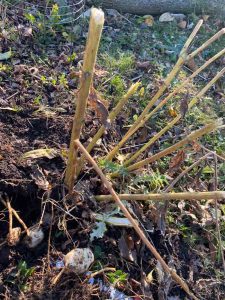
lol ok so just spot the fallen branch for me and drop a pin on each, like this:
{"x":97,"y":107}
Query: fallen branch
{"x":94,"y":35}
{"x":166,"y":196}
{"x":138,"y":230}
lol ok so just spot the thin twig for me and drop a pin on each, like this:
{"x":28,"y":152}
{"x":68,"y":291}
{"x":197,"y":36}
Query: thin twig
{"x":106,"y":269}
{"x":212,"y":152}
{"x":138,"y":230}
{"x":49,"y":239}
{"x":193,"y":102}
{"x":163,"y":208}
{"x":58,"y":276}
{"x":17,"y":217}
{"x":161,"y":90}
{"x":195,"y":164}
{"x":10,"y":218}
{"x":216,"y":213}
{"x":11,"y":96}
{"x":189,"y":138}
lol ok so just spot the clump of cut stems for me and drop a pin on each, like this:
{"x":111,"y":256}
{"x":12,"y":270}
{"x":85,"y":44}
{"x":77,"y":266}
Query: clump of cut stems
{"x":184,"y":57}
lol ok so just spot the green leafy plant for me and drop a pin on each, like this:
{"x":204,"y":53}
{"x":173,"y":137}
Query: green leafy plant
{"x":62,"y":80}
{"x":121,"y":62}
{"x":117,"y":85}
{"x":155,"y":180}
{"x":112,"y":167}
{"x":21,"y":275}
{"x":117,"y":277}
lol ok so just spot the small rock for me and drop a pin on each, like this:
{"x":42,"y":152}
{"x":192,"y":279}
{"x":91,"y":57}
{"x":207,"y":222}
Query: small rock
{"x":166,"y":17}
{"x":79,"y":260}
{"x":179,"y":17}
{"x":182,"y":24}
{"x":35,"y":237}
{"x":14,"y":238}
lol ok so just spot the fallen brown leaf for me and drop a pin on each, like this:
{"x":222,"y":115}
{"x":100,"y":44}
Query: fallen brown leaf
{"x":176,"y":162}
{"x":98,"y":104}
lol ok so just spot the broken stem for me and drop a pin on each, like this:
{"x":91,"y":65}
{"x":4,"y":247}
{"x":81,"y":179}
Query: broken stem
{"x":165,"y":100}
{"x":189,"y":138}
{"x":195,"y":164}
{"x":166,"y":196}
{"x":138,"y":230}
{"x":161,"y":90}
{"x":10,"y":218}
{"x":206,"y":44}
{"x":175,"y":120}
{"x":220,"y":242}
{"x":112,"y":115}
{"x":94,"y":35}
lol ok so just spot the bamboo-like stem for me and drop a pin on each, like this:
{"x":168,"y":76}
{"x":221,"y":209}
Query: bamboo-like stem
{"x":195,"y":164}
{"x":138,"y":230}
{"x":112,"y":115}
{"x":189,"y":138}
{"x":93,"y":39}
{"x":218,"y":228}
{"x":166,"y":196}
{"x":165,"y":100}
{"x":164,"y":86}
{"x":17,"y":217}
{"x":206,"y":44}
{"x":175,"y":120}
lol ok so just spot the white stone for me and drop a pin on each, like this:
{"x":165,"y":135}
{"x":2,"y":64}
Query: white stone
{"x":79,"y":260}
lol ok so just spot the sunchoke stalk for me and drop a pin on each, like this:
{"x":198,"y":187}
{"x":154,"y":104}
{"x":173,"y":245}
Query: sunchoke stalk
{"x":93,"y":39}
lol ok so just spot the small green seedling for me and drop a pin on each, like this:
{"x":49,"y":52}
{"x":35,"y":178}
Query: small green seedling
{"x":20,"y":277}
{"x":117,"y":277}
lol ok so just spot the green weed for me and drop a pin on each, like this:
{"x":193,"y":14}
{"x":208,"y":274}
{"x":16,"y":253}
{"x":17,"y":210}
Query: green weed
{"x":153,"y":181}
{"x":122,"y":63}
{"x":117,"y":277}
{"x":112,"y":167}
{"x":20,"y":277}
{"x":117,"y":85}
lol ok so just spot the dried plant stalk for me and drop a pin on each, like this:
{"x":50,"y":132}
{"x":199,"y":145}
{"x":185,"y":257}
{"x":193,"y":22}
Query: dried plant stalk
{"x":113,"y":114}
{"x":164,"y":86}
{"x":166,"y":196}
{"x":14,"y":212}
{"x":10,"y":218}
{"x":138,"y":230}
{"x":94,"y":35}
{"x":175,"y":120}
{"x":191,"y":137}
{"x":206,"y":44}
{"x":183,"y":84}
{"x":184,"y":57}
